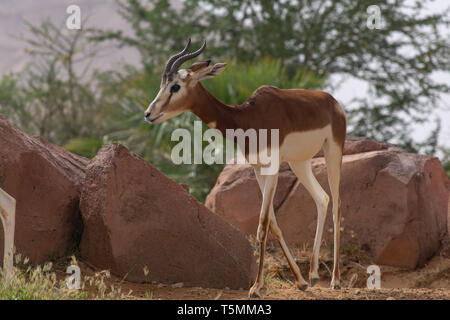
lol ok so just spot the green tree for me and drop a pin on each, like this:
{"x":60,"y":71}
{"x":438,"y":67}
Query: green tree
{"x":325,"y":37}
{"x":48,"y":98}
{"x":446,"y":159}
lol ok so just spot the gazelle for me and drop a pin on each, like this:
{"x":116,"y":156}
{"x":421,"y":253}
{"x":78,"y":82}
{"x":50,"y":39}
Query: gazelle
{"x":307,"y":121}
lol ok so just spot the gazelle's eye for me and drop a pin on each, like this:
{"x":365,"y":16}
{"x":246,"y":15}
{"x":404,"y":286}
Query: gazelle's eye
{"x":175,"y":88}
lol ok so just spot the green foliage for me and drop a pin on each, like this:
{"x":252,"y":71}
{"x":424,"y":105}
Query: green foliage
{"x":86,"y":147}
{"x":325,"y":37}
{"x":447,"y":168}
{"x":47,"y":97}
{"x":446,"y":160}
{"x":240,"y":79}
{"x":158,"y":29}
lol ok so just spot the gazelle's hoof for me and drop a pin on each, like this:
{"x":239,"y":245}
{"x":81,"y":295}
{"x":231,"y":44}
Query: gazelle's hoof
{"x":254,"y":295}
{"x":313,"y":281}
{"x":336,"y":287}
{"x":254,"y":292}
{"x":303,"y":287}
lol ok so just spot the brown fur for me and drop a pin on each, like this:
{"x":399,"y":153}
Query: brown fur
{"x":272,"y":108}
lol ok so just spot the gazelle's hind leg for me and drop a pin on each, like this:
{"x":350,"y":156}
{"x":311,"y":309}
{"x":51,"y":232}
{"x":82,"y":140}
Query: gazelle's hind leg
{"x":270,"y":185}
{"x":333,"y":158}
{"x":276,"y":231}
{"x":304,"y":173}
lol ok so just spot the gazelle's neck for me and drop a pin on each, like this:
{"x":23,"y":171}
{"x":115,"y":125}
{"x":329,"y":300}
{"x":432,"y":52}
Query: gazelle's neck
{"x":212,"y":111}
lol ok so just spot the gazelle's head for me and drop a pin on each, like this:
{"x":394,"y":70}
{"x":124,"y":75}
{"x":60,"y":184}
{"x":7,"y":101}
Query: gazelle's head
{"x":177,"y":86}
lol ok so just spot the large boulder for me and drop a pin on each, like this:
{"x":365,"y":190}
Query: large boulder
{"x":135,"y":217}
{"x":354,"y":145}
{"x":46,"y":182}
{"x":394,"y":203}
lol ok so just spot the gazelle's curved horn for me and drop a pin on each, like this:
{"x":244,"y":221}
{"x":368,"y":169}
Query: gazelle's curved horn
{"x":186,"y":57}
{"x":176,"y":56}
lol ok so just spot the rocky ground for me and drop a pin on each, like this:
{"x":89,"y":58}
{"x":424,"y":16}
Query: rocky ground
{"x":430,"y":282}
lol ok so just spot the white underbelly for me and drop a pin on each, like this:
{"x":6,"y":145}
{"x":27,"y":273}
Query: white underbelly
{"x":297,"y":146}
{"x":300,"y":146}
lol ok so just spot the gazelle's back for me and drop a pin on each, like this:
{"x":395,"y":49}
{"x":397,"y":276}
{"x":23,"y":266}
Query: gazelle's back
{"x":297,"y":110}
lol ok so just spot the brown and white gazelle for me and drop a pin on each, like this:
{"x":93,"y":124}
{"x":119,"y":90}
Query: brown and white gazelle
{"x":307,"y":121}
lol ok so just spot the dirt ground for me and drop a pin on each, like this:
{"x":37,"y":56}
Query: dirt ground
{"x":429,"y":282}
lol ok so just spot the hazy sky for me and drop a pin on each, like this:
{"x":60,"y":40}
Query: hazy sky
{"x":13,"y":13}
{"x":103,"y":14}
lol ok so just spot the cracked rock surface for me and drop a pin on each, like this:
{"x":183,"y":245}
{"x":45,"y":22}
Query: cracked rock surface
{"x":46,"y":182}
{"x":135,"y":217}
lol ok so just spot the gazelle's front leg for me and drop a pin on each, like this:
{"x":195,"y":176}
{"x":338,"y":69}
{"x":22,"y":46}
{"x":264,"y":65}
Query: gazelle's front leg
{"x":8,"y":219}
{"x":270,"y":185}
{"x":276,"y":231}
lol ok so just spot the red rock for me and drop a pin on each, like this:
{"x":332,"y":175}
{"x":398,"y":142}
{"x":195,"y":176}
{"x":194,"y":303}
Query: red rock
{"x":354,"y":145}
{"x":134,"y":216}
{"x":185,"y":186}
{"x":394,"y":203}
{"x":46,"y":182}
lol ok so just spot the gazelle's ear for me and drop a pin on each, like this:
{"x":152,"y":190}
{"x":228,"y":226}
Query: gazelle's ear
{"x":202,"y":70}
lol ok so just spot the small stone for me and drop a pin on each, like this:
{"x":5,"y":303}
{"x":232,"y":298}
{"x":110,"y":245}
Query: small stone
{"x":390,"y":298}
{"x":178,"y":285}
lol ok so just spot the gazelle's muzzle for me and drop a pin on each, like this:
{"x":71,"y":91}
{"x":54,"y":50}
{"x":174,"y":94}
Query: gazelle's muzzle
{"x":150,"y":114}
{"x":149,"y":118}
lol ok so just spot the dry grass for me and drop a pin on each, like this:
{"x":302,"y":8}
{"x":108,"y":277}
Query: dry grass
{"x":430,"y":276}
{"x":431,"y":281}
{"x":36,"y":282}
